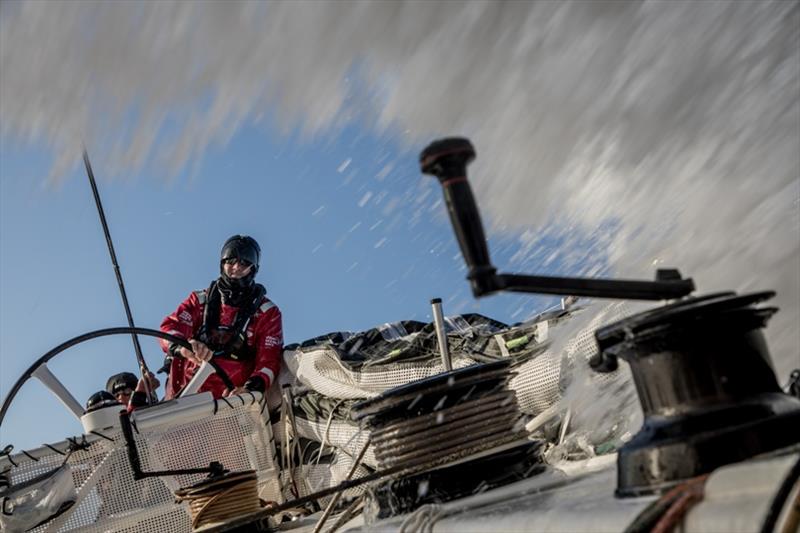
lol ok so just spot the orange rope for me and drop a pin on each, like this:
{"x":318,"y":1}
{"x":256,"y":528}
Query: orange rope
{"x":219,"y":500}
{"x":688,"y":494}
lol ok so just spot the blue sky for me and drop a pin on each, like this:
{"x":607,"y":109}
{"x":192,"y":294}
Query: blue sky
{"x":352,"y":236}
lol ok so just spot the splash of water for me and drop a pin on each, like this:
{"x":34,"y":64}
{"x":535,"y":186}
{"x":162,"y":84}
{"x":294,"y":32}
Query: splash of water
{"x":675,"y":124}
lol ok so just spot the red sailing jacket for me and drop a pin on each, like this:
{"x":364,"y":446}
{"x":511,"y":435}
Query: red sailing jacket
{"x":264,"y":335}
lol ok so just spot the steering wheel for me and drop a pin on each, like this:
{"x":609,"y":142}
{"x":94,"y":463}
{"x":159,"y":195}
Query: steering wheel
{"x":40,"y":371}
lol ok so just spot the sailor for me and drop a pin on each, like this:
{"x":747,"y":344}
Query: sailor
{"x":232,"y":322}
{"x":130,"y":390}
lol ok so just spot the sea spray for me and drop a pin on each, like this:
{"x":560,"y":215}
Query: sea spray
{"x":595,"y":412}
{"x":667,"y":131}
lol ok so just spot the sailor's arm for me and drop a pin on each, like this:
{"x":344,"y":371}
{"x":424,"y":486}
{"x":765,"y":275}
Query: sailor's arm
{"x":268,"y":337}
{"x":139,"y":396}
{"x":184,"y":323}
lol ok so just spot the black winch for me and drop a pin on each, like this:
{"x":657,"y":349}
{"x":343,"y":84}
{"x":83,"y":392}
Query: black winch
{"x":704,"y":378}
{"x":447,"y":436}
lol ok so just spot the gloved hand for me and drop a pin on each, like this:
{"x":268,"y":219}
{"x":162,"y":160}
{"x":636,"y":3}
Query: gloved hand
{"x":199,"y":352}
{"x":256,"y":383}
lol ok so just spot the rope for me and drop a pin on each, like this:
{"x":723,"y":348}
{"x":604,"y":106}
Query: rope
{"x":218,"y":500}
{"x":263,"y":402}
{"x":74,"y":446}
{"x":6,"y":452}
{"x":304,"y":450}
{"x":29,"y":456}
{"x":458,"y":431}
{"x":288,"y":448}
{"x":422,"y":520}
{"x":355,"y":508}
{"x":253,"y":396}
{"x":670,"y":508}
{"x":325,"y":434}
{"x":59,"y":452}
{"x":346,"y":447}
{"x":792,"y":522}
{"x":101,"y":435}
{"x":332,"y":503}
{"x":783,"y":493}
{"x":692,"y":494}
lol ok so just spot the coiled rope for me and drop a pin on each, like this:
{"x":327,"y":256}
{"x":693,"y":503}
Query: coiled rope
{"x":443,"y":419}
{"x":467,"y":428}
{"x":221,"y":499}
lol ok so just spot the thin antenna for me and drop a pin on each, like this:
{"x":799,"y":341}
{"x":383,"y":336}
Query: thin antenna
{"x":139,"y":357}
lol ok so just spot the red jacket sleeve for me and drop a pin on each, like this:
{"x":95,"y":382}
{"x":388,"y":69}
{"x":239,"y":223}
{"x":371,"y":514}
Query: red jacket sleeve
{"x":184,"y":322}
{"x":268,"y":341}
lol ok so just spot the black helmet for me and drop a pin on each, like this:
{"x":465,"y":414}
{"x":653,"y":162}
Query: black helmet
{"x":100,"y":399}
{"x":241,"y":247}
{"x":120,"y":382}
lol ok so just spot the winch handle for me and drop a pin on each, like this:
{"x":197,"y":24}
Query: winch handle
{"x":447,"y":159}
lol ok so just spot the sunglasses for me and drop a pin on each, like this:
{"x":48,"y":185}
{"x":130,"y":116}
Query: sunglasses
{"x":233,"y":260}
{"x":122,"y":390}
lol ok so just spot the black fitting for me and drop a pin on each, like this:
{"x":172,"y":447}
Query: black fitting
{"x":447,"y":158}
{"x":214,"y":468}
